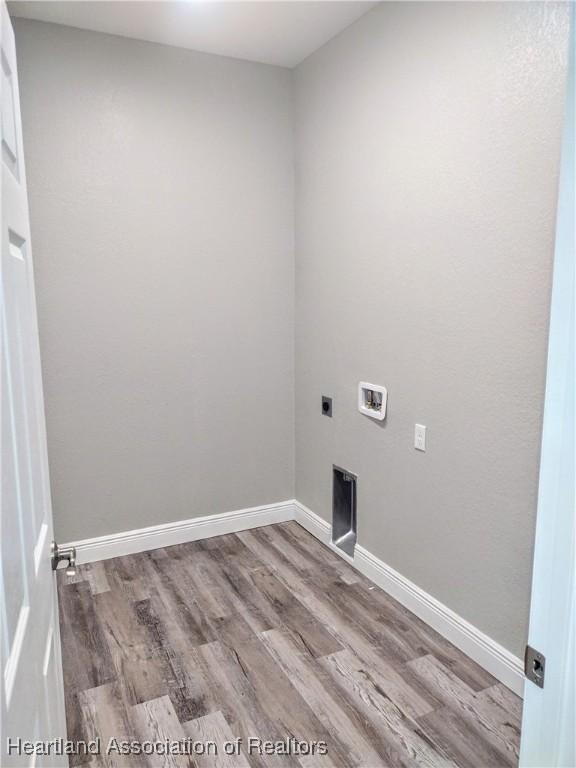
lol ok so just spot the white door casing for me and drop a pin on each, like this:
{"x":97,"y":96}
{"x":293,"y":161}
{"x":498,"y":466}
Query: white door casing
{"x":31,"y":673}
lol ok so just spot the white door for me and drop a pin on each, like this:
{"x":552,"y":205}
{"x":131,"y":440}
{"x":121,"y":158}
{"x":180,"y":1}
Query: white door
{"x":31,"y":675}
{"x":548,"y":723}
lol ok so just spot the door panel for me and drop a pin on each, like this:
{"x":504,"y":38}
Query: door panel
{"x":31,"y":675}
{"x":549,"y":712}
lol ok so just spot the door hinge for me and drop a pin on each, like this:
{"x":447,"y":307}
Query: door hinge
{"x":534,"y":666}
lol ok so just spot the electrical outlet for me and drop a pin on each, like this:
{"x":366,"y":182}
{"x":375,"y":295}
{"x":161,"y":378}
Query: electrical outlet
{"x":420,"y":437}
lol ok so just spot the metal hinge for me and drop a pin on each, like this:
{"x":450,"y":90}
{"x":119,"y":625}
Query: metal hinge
{"x":534,"y":666}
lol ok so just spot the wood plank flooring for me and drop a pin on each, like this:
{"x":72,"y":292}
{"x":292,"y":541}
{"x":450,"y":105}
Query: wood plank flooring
{"x":269,"y":635}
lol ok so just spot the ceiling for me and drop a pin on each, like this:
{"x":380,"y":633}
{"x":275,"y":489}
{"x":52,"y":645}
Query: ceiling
{"x":282,"y":33}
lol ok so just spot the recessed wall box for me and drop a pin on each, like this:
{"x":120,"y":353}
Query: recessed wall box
{"x":372,"y":400}
{"x":343,"y":510}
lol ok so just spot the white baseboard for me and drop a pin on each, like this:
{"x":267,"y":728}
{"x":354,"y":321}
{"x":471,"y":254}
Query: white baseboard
{"x":482,"y":649}
{"x":144,"y":539}
{"x":485,"y":651}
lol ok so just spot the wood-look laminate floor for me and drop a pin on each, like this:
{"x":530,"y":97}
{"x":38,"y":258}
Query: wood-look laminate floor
{"x":268,"y":634}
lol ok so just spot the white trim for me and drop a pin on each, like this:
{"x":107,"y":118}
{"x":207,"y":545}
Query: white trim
{"x":15,"y":652}
{"x":482,"y":649}
{"x":39,"y":547}
{"x":143,"y":539}
{"x":48,"y":651}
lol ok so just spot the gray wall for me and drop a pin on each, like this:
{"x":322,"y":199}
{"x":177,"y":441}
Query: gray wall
{"x":160,"y":182}
{"x":428,"y":140}
{"x":161,"y":199}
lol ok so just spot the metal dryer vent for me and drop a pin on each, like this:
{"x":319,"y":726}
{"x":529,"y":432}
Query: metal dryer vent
{"x":344,"y":510}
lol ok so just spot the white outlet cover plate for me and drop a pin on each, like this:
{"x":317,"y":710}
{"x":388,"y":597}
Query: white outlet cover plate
{"x":363,"y":386}
{"x":420,"y":437}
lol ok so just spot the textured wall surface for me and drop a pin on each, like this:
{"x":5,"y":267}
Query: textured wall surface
{"x":161,"y":187}
{"x":161,"y":194}
{"x":428,"y":139}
